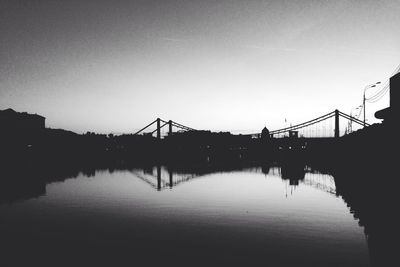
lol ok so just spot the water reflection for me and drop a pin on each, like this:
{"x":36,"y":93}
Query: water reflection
{"x":162,"y":177}
{"x":241,"y":210}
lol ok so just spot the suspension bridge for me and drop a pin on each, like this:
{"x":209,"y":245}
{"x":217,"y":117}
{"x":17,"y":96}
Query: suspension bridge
{"x":336,"y":115}
{"x":159,"y":126}
{"x":327,"y":125}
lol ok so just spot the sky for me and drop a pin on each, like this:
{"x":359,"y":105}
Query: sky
{"x":221,"y":65}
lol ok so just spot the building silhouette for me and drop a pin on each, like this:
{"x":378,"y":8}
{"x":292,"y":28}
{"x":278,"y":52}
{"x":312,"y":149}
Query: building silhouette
{"x":265,"y":134}
{"x":20,"y":121}
{"x":388,"y":114}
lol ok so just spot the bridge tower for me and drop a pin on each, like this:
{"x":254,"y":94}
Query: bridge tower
{"x":336,"y":123}
{"x":169,"y":127}
{"x":158,"y":128}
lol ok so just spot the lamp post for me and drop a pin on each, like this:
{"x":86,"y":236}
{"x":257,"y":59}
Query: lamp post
{"x":365,"y":89}
{"x":350,"y":126}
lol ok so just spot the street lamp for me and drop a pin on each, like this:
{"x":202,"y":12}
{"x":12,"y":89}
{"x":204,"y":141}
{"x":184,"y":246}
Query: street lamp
{"x":365,"y":89}
{"x":350,"y":125}
{"x":355,"y":109}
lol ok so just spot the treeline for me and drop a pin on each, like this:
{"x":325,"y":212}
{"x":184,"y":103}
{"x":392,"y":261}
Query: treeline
{"x":51,"y":144}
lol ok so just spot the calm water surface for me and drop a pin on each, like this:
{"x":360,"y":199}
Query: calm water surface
{"x":251,"y":217}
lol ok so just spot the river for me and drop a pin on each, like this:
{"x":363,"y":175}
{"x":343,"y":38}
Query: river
{"x":252,"y":216}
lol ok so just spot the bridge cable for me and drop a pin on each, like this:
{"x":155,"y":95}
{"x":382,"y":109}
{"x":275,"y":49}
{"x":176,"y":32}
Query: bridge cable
{"x":178,"y":125}
{"x":378,"y":95}
{"x":304,"y":124}
{"x":344,"y":115}
{"x":144,"y":128}
{"x":296,"y":127}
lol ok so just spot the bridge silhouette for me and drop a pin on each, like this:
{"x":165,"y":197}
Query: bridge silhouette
{"x":170,"y":124}
{"x":335,"y":115}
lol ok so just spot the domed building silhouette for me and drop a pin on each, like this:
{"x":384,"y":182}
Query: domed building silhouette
{"x":265,"y":134}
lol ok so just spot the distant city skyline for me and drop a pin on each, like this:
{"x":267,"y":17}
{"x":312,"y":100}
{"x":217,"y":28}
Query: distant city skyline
{"x":115,"y":66}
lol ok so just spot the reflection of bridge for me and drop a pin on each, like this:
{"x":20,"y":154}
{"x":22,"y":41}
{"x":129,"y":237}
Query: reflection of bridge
{"x":157,"y":180}
{"x":327,"y":125}
{"x":320,"y":181}
{"x":309,"y":177}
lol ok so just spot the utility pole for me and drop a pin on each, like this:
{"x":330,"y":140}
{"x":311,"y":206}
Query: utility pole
{"x":365,"y":89}
{"x":364,"y":107}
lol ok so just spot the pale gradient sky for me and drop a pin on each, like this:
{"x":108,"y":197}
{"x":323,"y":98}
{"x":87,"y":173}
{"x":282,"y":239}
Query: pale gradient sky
{"x":114,"y":66}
